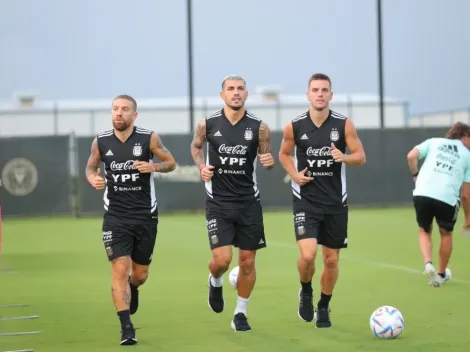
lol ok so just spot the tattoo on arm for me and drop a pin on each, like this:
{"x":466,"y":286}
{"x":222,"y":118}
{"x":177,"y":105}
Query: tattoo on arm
{"x":197,"y":144}
{"x":94,"y":160}
{"x":264,"y":139}
{"x":168,"y":163}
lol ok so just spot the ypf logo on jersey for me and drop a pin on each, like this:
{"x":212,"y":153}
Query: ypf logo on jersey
{"x":248,"y":134}
{"x":137,"y":150}
{"x":334,"y":135}
{"x":20,"y":177}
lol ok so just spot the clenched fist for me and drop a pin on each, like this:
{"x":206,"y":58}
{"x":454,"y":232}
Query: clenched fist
{"x":97,"y":181}
{"x":300,"y":177}
{"x":207,"y":172}
{"x":144,"y":167}
{"x":337,"y":155}
{"x":266,"y":160}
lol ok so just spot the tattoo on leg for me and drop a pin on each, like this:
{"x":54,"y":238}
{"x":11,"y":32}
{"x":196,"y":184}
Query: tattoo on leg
{"x":126,"y":297}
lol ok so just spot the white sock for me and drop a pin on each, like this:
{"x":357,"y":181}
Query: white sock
{"x":217,"y":282}
{"x":241,"y":305}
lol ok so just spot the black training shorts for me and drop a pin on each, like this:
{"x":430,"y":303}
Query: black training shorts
{"x":134,"y":240}
{"x":429,"y":208}
{"x":240,"y":226}
{"x":330,"y":230}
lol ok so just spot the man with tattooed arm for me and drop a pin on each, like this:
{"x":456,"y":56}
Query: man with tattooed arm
{"x":235,"y":140}
{"x":131,"y":211}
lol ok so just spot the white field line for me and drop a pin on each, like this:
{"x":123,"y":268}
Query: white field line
{"x":369,"y":262}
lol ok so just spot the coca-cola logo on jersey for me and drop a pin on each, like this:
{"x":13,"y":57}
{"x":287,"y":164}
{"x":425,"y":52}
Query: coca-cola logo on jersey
{"x":325,"y":151}
{"x":237,"y":149}
{"x":127,"y":165}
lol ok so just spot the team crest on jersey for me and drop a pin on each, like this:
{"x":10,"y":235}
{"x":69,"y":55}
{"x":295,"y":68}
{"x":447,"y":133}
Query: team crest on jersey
{"x":137,"y":151}
{"x":301,"y":230}
{"x":248,"y":135}
{"x":334,"y":135}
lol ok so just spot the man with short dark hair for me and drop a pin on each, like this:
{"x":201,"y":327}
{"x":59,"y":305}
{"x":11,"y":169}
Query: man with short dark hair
{"x":235,"y":140}
{"x":319,"y":137}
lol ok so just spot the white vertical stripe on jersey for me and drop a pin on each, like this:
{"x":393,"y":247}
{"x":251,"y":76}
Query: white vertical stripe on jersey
{"x":153,"y":197}
{"x":344,"y":192}
{"x":255,"y":184}
{"x":208,"y":183}
{"x":295,"y":185}
{"x":105,"y":195}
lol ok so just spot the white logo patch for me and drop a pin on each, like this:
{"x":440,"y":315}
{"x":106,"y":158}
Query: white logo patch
{"x":334,"y":135}
{"x":137,"y":150}
{"x":248,"y":135}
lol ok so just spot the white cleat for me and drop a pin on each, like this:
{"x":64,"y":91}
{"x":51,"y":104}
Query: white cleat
{"x":441,"y":280}
{"x":431,"y":272}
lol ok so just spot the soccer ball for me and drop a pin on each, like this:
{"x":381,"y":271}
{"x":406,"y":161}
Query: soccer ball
{"x":233,"y":277}
{"x":387,"y":322}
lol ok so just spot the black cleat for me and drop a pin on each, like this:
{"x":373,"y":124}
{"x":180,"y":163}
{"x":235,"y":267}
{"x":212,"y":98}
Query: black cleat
{"x":134,"y":305}
{"x":240,"y":323}
{"x":306,"y":311}
{"x":216,"y":298}
{"x":323,"y":318}
{"x":128,"y":335}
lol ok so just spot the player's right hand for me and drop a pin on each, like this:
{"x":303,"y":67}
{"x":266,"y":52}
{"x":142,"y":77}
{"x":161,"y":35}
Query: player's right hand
{"x":300,"y":177}
{"x":207,"y":172}
{"x":97,"y":182}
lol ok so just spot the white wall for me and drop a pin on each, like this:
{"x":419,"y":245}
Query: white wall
{"x":171,"y":116}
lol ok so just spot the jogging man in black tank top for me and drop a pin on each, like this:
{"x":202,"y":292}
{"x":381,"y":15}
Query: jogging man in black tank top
{"x":235,"y":140}
{"x":319,"y":137}
{"x":131,"y":211}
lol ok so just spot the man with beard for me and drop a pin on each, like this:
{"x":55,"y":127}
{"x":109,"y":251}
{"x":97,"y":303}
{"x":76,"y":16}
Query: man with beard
{"x":319,"y":138}
{"x":235,"y":139}
{"x":131,"y":211}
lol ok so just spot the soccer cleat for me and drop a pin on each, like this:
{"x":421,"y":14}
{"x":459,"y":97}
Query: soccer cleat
{"x":240,"y":323}
{"x":441,"y":280}
{"x":216,"y":298}
{"x":134,"y":305}
{"x":306,"y":311}
{"x":323,"y":318}
{"x":128,"y":335}
{"x":431,"y":272}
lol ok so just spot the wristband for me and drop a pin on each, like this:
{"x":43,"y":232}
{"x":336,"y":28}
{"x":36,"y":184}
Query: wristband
{"x":416,"y":174}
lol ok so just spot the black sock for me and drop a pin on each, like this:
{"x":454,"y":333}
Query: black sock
{"x":307,"y":287}
{"x":324,"y":301}
{"x":125,"y":317}
{"x":443,"y":275}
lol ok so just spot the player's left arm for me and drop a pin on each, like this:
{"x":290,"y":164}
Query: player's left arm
{"x":264,"y":147}
{"x":167,"y":163}
{"x":357,"y":156}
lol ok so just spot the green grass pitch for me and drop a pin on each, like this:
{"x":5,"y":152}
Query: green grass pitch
{"x":63,"y":273}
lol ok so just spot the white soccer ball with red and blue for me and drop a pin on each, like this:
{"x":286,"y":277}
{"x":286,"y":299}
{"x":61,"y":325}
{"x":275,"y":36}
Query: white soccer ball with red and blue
{"x":387,"y":322}
{"x":233,"y":277}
